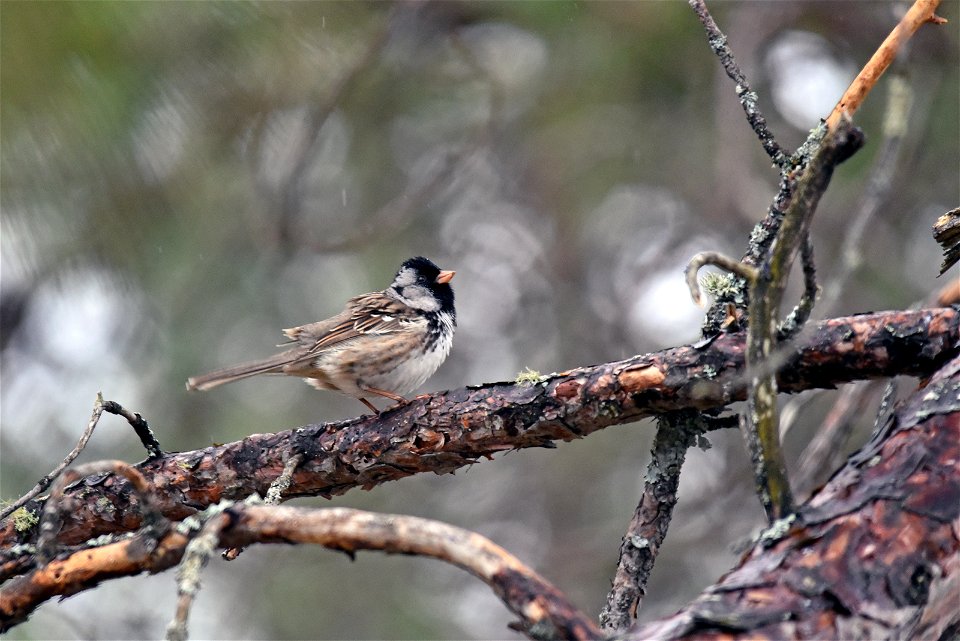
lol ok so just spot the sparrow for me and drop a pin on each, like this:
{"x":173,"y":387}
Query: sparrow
{"x":385,"y":343}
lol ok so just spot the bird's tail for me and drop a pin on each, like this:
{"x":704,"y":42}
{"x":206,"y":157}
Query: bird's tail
{"x":216,"y":378}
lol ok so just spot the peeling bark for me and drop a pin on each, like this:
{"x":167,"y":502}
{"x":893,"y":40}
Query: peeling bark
{"x":874,"y":555}
{"x":447,"y":430}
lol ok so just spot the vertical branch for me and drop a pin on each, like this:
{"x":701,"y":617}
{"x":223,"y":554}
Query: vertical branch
{"x":748,"y":99}
{"x":762,"y":425}
{"x":676,"y":432}
{"x":195,"y":558}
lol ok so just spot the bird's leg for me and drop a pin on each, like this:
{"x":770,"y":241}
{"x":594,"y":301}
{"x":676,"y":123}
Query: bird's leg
{"x":379,"y":392}
{"x":372,"y":407}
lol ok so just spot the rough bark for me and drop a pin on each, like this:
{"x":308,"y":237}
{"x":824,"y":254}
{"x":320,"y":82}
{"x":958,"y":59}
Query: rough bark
{"x":447,"y":430}
{"x":874,"y":555}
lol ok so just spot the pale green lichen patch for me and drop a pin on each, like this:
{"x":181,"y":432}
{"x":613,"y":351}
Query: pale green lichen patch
{"x":640,"y":542}
{"x":24,"y":519}
{"x":528,"y":377}
{"x":719,"y":285}
{"x":105,"y":505}
{"x":777,"y":530}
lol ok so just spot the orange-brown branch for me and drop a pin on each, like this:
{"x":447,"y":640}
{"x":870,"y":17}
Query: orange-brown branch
{"x":538,"y":603}
{"x":920,"y":13}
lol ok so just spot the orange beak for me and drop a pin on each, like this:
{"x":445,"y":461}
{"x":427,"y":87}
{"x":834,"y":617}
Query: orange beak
{"x":445,"y":276}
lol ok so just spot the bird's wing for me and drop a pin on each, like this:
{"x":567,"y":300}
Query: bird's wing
{"x":364,"y":315}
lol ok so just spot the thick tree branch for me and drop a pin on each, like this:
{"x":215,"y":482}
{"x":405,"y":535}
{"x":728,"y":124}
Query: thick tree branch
{"x":873,"y":555}
{"x":444,"y":431}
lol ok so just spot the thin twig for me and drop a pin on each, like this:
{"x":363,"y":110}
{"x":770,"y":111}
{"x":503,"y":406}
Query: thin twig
{"x":274,"y":494}
{"x":748,"y":99}
{"x":44,"y":483}
{"x":922,"y":12}
{"x":139,"y":425}
{"x":797,"y":318}
{"x":279,"y":486}
{"x":195,"y":558}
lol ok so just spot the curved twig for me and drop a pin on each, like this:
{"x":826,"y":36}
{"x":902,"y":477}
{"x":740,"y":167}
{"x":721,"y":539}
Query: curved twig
{"x":139,"y":425}
{"x":800,"y":314}
{"x":744,"y":271}
{"x":544,"y":611}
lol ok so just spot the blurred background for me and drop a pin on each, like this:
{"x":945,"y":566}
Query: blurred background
{"x":182,"y":180}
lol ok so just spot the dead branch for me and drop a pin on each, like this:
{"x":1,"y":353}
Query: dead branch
{"x":676,"y":433}
{"x":766,"y":294}
{"x":748,"y":98}
{"x":873,"y":555}
{"x":444,"y":431}
{"x":544,"y":611}
{"x":45,"y":482}
{"x":139,"y":425}
{"x":100,"y":406}
{"x":920,"y":13}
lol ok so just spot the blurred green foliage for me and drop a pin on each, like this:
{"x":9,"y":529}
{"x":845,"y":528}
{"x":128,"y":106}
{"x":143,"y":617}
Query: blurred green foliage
{"x":181,"y":180}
